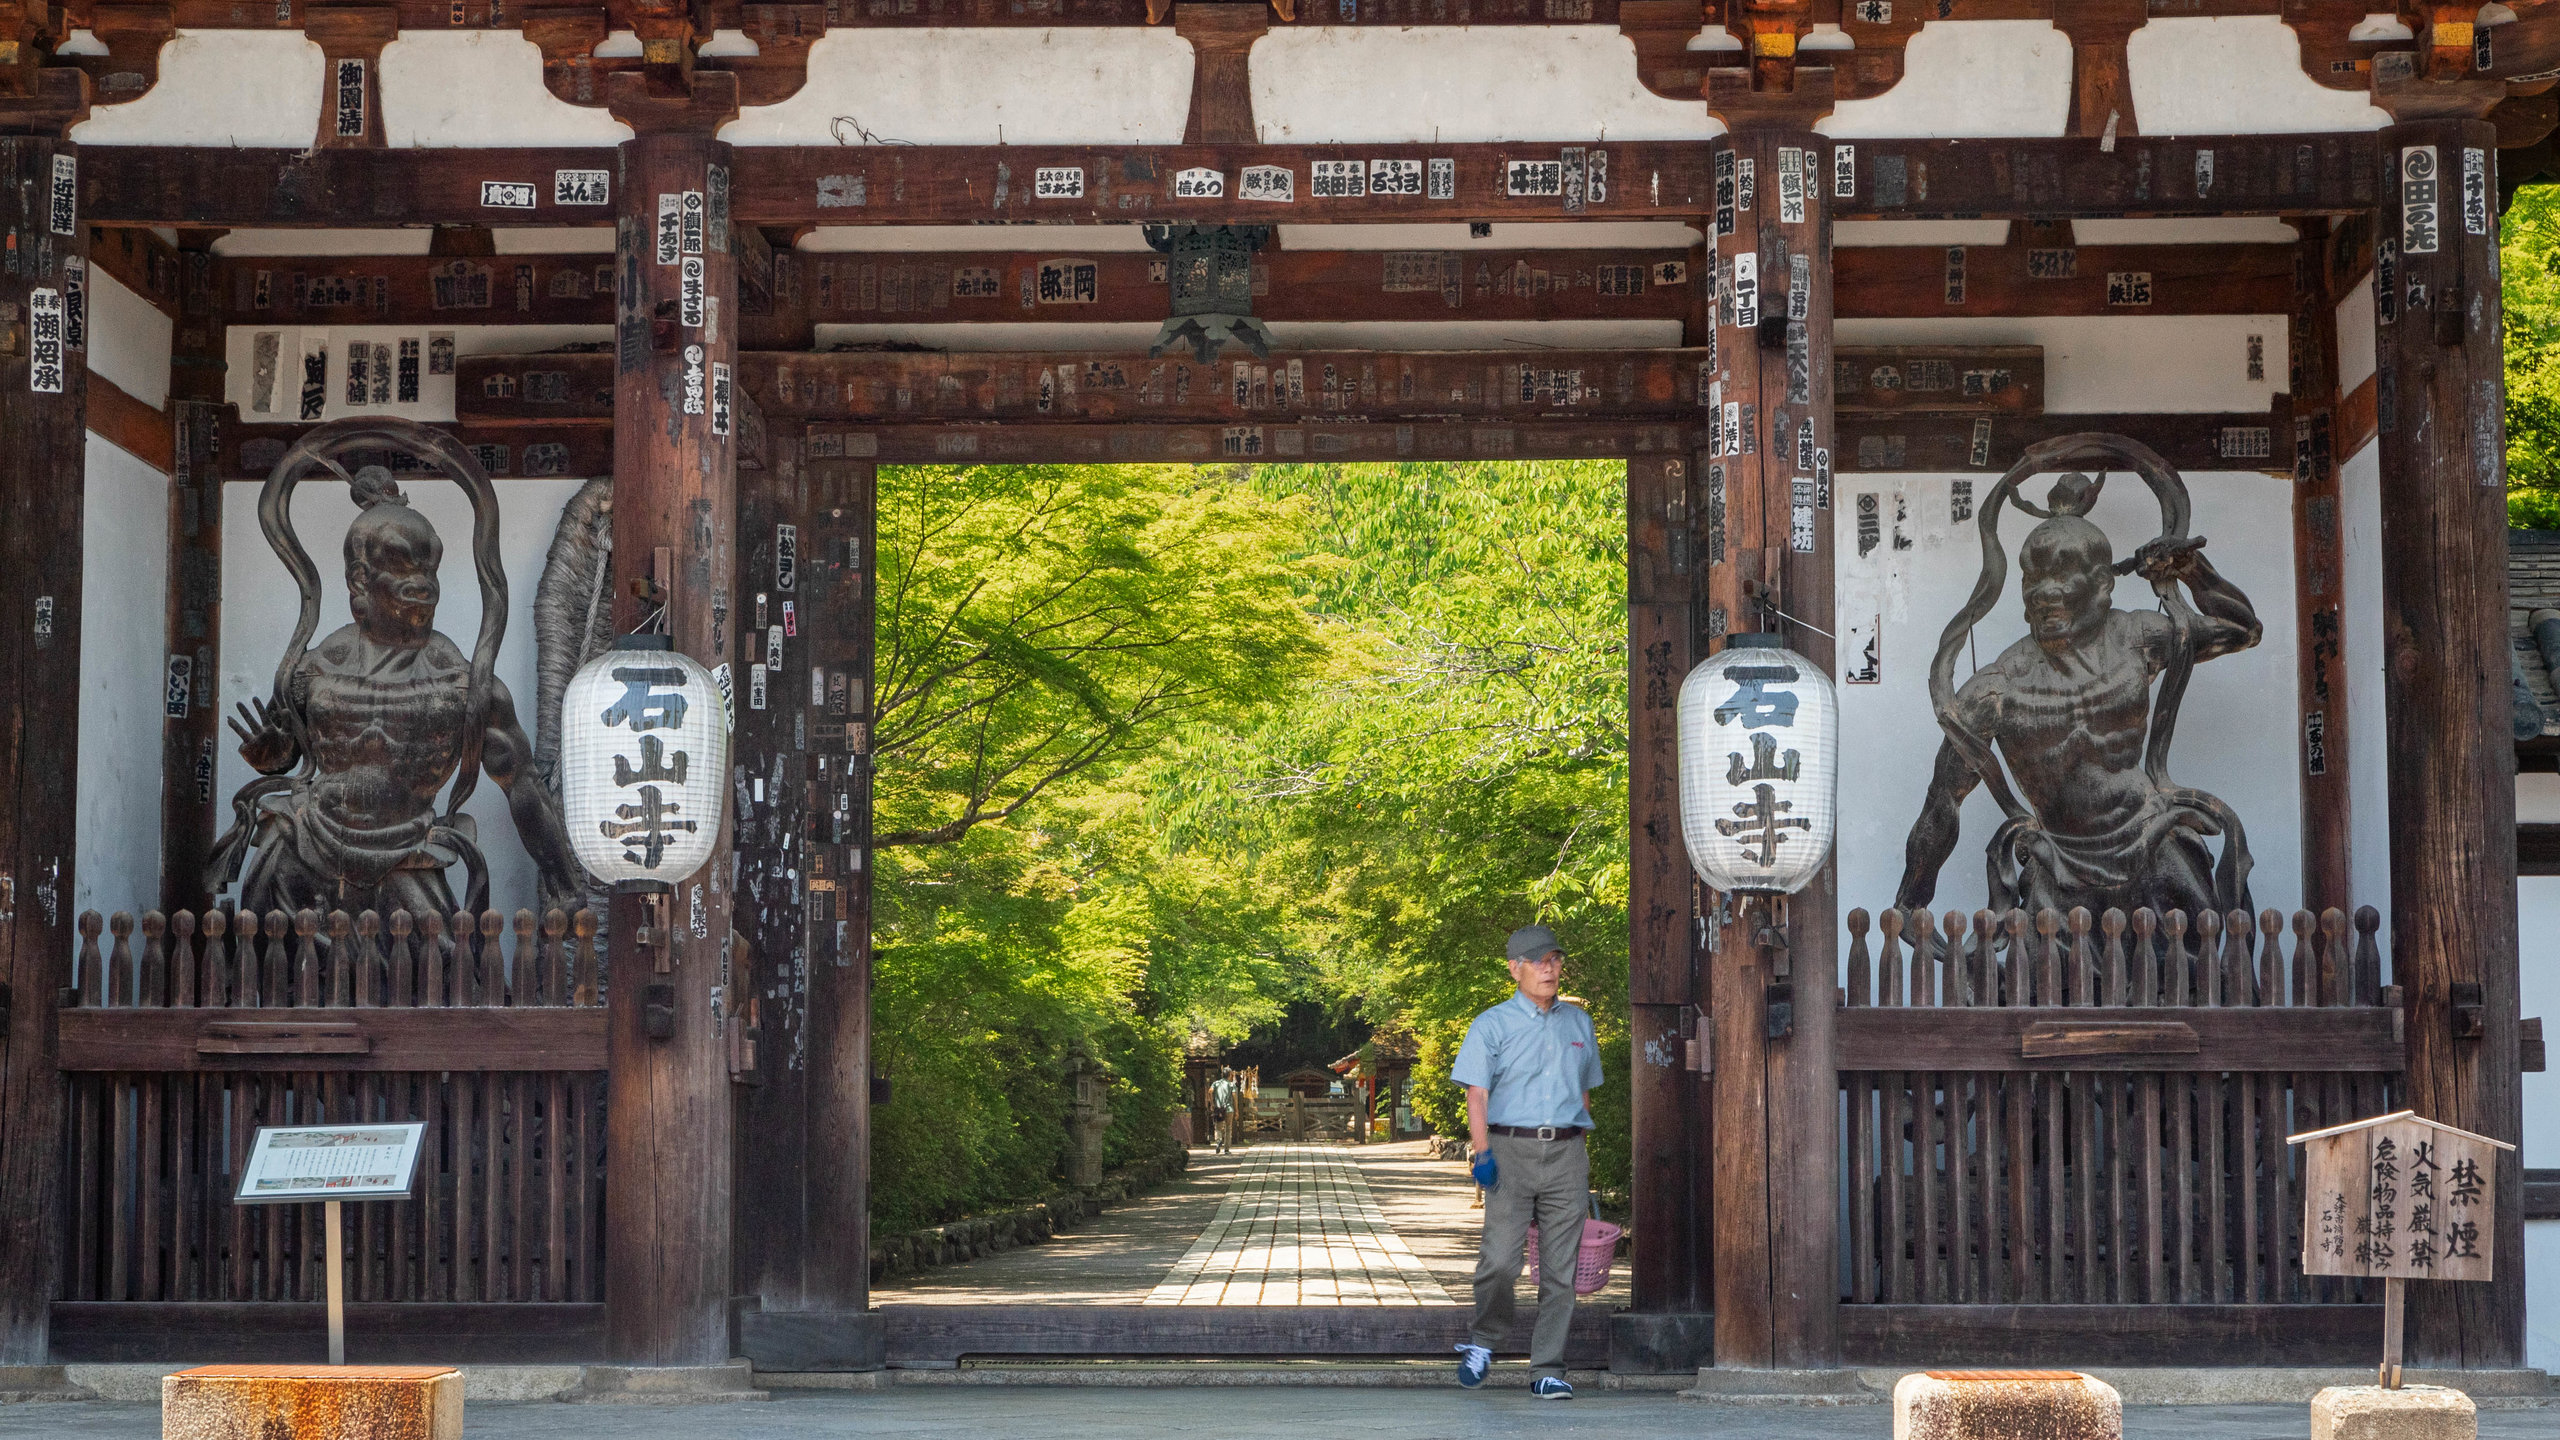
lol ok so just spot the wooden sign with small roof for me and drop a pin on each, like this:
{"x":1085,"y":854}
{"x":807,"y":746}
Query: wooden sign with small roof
{"x":2398,"y":1198}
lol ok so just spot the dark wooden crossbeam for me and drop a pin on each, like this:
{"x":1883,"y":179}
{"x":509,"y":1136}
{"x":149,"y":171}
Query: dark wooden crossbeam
{"x":1059,"y":286}
{"x":907,"y":388}
{"x":1091,"y":184}
{"x":1936,"y":443}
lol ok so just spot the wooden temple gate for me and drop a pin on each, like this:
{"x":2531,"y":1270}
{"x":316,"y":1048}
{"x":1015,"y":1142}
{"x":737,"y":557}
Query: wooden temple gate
{"x":2052,"y":1181}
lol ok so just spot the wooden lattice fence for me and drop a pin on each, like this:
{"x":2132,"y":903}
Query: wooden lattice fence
{"x":175,"y":1050}
{"x":2049,"y":1110}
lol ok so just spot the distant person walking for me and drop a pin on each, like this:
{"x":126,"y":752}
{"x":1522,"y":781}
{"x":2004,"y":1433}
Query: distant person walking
{"x":1222,"y":1110}
{"x":1529,"y":1065}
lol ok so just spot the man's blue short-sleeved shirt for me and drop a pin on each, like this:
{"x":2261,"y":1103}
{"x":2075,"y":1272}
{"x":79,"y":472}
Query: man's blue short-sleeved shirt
{"x":1533,"y":1063}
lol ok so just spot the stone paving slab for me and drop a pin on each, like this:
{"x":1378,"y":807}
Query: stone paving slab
{"x":1011,"y":1414}
{"x":1299,"y":1227}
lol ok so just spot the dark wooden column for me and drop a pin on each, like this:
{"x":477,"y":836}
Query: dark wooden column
{"x":2440,"y":408}
{"x":1671,"y":1260}
{"x":43,"y":379}
{"x":1775,"y":1164}
{"x":805,"y":525}
{"x":2319,"y":559}
{"x":670,"y":1116}
{"x":191,"y":730}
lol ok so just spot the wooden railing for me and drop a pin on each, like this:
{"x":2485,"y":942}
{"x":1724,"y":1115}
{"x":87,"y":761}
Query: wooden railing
{"x":176,"y":1050}
{"x":2052,"y":1109}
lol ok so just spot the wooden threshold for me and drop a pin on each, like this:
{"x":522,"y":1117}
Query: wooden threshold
{"x":944,"y":1334}
{"x":2113,"y":1334}
{"x":288,"y":1332}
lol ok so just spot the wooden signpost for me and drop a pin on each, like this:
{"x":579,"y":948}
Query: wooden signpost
{"x":332,"y":1164}
{"x":2398,"y":1198}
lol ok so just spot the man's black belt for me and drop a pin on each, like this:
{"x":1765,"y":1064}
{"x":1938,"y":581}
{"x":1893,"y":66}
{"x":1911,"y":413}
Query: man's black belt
{"x":1535,"y":1132}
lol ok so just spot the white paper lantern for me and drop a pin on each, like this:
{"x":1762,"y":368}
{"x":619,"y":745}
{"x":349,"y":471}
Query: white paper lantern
{"x":644,"y":762}
{"x":1759,"y":766}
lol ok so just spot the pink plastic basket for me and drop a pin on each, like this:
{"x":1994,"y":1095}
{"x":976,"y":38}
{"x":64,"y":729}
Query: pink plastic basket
{"x":1591,"y":1267}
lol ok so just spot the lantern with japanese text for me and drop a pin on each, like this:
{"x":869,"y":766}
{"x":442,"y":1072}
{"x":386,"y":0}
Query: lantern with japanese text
{"x":644,"y":762}
{"x":1759,"y":767}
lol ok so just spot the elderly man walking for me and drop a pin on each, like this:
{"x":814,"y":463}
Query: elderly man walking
{"x":1529,"y":1065}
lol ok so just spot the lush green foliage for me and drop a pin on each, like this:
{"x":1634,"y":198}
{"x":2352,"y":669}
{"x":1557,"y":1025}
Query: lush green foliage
{"x":2529,"y":260}
{"x":1165,"y":750}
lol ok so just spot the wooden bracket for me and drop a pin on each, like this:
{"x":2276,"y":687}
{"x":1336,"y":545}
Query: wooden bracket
{"x":58,"y":101}
{"x":636,"y":100}
{"x":1221,"y":39}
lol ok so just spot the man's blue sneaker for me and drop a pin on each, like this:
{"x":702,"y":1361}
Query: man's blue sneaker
{"x":1551,"y":1387}
{"x":1473,"y":1361}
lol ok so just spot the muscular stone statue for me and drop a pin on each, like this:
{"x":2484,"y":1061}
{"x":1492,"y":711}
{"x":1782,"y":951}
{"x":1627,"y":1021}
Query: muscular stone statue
{"x":378,"y":717}
{"x":2069,"y":710}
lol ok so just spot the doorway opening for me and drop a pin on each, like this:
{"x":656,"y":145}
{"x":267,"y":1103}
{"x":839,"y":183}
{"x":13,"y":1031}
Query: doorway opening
{"x":1227,"y":782}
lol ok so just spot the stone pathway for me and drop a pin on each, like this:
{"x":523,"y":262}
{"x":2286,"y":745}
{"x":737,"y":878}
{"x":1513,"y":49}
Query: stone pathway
{"x":1299,"y":1227}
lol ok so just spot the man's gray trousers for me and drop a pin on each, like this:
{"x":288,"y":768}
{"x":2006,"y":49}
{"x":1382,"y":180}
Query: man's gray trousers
{"x":1546,"y":1183}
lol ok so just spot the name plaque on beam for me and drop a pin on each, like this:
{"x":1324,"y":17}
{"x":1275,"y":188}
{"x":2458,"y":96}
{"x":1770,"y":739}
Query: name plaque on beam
{"x":297,"y":1164}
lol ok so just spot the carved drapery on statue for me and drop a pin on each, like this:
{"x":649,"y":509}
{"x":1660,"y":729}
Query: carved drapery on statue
{"x":2065,"y":728}
{"x":365,"y":729}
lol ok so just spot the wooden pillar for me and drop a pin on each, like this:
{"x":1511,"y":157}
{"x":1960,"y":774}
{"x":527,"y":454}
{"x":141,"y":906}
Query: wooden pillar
{"x":191,"y":716}
{"x":670,"y":1114}
{"x":2101,"y":70}
{"x":2440,"y":408}
{"x":839,"y":567}
{"x":1670,"y":1266}
{"x":1775,"y":1095}
{"x":2319,"y":560}
{"x":43,"y":381}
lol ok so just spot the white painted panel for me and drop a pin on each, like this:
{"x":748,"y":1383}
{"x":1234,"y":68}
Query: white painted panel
{"x":325,"y":242}
{"x":123,"y":592}
{"x":1345,"y":84}
{"x":2542,"y":1294}
{"x":479,"y":88}
{"x":2099,"y":364}
{"x":2538,"y":954}
{"x":259,"y":603}
{"x":128,"y":339}
{"x":1846,"y":234}
{"x":1063,"y":239}
{"x":2235,"y":731}
{"x":202,"y":99}
{"x":2194,"y":230}
{"x":574,"y":240}
{"x":933,"y":87}
{"x":2368,"y":746}
{"x":435,"y":392}
{"x":1287,"y":334}
{"x":1970,"y":77}
{"x":2356,"y":335}
{"x":2233,"y":75}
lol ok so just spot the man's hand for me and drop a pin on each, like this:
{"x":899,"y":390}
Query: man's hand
{"x":1485,"y":1171}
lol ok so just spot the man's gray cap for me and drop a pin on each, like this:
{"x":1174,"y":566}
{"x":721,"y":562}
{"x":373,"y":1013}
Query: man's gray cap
{"x":1530,"y":942}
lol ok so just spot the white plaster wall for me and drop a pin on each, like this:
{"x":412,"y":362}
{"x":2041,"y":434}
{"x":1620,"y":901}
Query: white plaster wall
{"x":259,"y":603}
{"x":1124,"y":239}
{"x":325,"y":242}
{"x":221,"y":87}
{"x":931,"y":87}
{"x":2233,"y":75}
{"x":1969,"y":77}
{"x":2190,"y":230}
{"x":435,"y":392}
{"x":2101,"y":364}
{"x":2235,"y":732}
{"x":480,"y":88}
{"x":129,"y":339}
{"x":123,"y":590}
{"x":1848,"y":234}
{"x":2538,"y":949}
{"x":2356,"y":321}
{"x":1346,"y":84}
{"x":566,"y":240}
{"x":2368,"y":744}
{"x":1286,"y":334}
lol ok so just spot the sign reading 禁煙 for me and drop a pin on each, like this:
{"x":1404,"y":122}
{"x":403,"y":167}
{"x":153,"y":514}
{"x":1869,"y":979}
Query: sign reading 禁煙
{"x":300,"y":1163}
{"x":2399,"y":1198}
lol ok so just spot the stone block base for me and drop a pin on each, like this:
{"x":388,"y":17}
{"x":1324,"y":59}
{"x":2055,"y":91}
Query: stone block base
{"x":2415,"y":1412}
{"x":251,"y":1402}
{"x":2005,"y":1405}
{"x":667,"y":1385}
